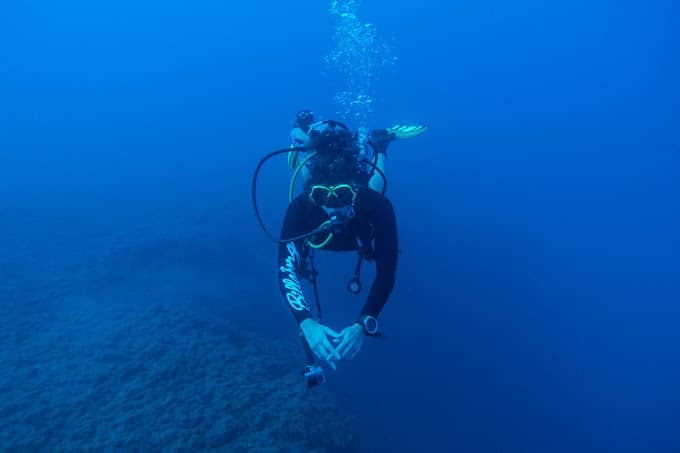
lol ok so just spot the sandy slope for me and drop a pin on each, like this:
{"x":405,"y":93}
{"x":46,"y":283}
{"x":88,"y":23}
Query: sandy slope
{"x":109,"y":353}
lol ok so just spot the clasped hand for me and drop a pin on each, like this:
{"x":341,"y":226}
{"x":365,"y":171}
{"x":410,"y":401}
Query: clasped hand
{"x":331,"y":346}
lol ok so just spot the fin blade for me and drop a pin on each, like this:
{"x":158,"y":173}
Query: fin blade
{"x":403,"y":131}
{"x":292,"y":159}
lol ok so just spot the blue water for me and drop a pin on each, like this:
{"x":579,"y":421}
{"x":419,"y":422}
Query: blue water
{"x":536,"y":306}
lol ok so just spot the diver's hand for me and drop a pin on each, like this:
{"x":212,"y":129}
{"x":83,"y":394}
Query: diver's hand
{"x":351,"y":340}
{"x":317,"y":335}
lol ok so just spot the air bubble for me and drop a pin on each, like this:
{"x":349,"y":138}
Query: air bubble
{"x":357,"y":56}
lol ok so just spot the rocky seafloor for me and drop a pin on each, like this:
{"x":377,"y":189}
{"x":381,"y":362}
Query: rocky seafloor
{"x":101,"y":355}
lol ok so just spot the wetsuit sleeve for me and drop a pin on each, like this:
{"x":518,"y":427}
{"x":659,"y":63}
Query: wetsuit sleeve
{"x":386,"y":248}
{"x":290,"y":262}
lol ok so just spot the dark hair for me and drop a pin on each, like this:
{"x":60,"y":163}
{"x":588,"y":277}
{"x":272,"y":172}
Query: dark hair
{"x":332,"y":137}
{"x":337,"y":159}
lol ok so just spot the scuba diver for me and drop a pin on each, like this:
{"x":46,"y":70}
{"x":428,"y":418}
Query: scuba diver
{"x":342,"y":207}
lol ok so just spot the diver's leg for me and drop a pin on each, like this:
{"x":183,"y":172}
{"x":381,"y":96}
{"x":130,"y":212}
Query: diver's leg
{"x":380,"y":140}
{"x":377,"y":182}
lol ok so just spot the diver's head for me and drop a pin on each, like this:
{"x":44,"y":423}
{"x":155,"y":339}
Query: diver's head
{"x":335,"y":154}
{"x":331,"y":137}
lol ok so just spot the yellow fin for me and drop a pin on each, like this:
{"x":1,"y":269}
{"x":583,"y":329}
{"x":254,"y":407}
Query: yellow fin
{"x":402,"y":131}
{"x":292,"y":159}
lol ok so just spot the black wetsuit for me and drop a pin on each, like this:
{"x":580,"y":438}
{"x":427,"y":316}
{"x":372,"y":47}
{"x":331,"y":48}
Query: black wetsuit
{"x":373,"y":229}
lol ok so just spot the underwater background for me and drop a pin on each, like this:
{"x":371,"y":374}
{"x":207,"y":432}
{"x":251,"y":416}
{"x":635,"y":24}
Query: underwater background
{"x":536,"y":306}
